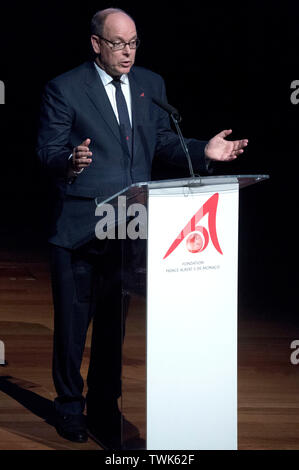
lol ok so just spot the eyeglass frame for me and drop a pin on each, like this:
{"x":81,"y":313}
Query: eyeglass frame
{"x":137,"y":40}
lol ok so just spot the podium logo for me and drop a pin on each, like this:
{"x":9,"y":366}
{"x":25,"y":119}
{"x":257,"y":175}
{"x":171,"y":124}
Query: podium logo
{"x":198,"y":237}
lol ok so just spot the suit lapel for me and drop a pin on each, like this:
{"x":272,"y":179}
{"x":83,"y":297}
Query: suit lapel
{"x":139,"y":107}
{"x":97,"y":94}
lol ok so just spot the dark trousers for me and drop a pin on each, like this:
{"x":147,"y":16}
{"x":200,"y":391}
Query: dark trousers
{"x":86,"y":285}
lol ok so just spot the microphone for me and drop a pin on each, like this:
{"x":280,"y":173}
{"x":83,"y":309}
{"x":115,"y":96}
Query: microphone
{"x":168,"y":108}
{"x":175,"y":116}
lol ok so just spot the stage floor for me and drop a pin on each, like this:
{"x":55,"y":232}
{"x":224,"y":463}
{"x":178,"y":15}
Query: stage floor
{"x":268,"y":382}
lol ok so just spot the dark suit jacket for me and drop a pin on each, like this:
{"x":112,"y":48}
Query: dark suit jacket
{"x":75,"y":106}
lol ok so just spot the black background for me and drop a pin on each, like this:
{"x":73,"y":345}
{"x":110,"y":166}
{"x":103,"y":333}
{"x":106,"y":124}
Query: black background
{"x":225,"y":66}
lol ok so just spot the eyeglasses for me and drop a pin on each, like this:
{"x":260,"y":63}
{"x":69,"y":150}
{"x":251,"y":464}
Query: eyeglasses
{"x":118,"y":45}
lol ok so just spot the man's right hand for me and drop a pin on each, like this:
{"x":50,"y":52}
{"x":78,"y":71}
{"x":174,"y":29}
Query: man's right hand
{"x":80,"y":156}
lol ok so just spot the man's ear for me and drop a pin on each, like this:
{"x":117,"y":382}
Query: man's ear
{"x":95,"y":43}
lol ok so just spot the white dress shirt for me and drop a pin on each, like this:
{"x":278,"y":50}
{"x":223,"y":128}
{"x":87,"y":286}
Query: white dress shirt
{"x":110,"y":90}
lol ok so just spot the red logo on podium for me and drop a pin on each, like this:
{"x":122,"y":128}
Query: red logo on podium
{"x":198,"y":237}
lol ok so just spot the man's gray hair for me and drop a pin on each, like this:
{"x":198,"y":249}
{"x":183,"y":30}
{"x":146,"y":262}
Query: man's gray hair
{"x":99,"y":18}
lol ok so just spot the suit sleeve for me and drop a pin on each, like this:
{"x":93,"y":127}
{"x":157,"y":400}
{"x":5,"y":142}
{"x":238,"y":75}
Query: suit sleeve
{"x":53,"y":145}
{"x":169,"y":147}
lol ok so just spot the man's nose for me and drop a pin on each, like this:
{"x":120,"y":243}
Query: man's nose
{"x":126,"y":49}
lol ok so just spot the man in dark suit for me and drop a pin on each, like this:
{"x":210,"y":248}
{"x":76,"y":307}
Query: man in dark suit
{"x":99,"y":132}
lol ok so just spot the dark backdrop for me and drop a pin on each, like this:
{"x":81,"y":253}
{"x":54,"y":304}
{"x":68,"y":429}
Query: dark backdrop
{"x":224,"y":66}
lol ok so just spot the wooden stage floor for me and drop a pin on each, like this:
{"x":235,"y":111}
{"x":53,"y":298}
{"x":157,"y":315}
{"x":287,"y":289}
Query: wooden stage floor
{"x":268,"y":382}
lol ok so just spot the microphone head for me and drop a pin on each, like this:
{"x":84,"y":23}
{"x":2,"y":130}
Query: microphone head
{"x":168,"y":108}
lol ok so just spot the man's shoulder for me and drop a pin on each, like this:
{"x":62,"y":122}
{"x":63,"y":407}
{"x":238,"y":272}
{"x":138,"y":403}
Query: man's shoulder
{"x":76,"y":74}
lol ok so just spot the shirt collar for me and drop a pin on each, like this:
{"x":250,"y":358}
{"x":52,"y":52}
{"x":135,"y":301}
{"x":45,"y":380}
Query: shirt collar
{"x":106,"y":78}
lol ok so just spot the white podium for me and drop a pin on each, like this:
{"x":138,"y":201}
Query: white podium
{"x":180,"y":374}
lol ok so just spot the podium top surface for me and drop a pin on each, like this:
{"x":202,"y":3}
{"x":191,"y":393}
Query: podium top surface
{"x":197,"y":182}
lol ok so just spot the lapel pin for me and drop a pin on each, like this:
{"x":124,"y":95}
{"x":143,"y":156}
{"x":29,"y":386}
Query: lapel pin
{"x":142,"y":95}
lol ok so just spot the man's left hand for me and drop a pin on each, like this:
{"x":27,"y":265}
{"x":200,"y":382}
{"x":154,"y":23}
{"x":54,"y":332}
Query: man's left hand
{"x":224,"y":150}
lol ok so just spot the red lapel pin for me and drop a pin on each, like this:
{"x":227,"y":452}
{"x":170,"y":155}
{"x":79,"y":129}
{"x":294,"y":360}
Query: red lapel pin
{"x":142,"y":94}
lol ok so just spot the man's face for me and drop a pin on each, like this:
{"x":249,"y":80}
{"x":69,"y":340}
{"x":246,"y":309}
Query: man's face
{"x":118,"y":27}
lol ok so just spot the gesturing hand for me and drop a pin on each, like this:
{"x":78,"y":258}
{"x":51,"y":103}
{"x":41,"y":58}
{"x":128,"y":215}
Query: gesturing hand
{"x":80,"y":156}
{"x":224,"y":150}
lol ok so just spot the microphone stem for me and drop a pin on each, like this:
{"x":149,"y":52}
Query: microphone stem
{"x":183,"y":143}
